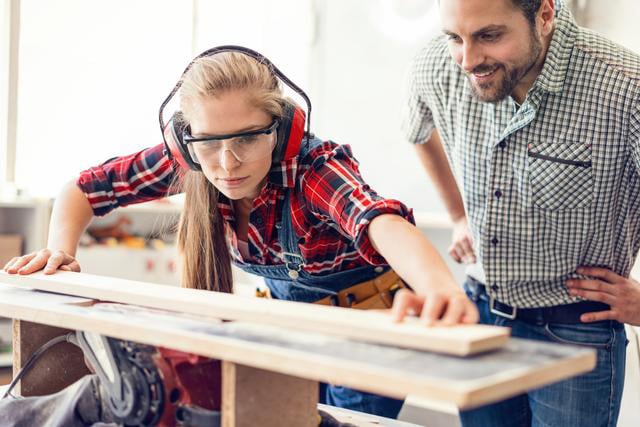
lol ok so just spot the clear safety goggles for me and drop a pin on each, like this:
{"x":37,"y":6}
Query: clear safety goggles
{"x":245,"y":146}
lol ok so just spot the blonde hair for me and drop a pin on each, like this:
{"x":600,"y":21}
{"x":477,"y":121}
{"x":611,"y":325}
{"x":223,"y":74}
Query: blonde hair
{"x":206,"y":262}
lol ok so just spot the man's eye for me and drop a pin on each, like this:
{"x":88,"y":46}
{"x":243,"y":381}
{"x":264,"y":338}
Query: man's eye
{"x":490,"y":37}
{"x":453,"y":38}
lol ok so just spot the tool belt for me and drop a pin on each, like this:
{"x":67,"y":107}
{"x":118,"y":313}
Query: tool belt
{"x":376,"y":293}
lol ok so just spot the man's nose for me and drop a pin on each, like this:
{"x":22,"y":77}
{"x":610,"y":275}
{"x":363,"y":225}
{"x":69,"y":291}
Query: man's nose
{"x":471,"y":58}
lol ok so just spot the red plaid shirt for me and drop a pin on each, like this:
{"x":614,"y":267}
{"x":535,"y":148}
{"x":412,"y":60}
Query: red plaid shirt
{"x":332,"y":205}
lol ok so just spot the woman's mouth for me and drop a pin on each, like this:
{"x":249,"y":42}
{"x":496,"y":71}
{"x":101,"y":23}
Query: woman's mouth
{"x":233,"y":182}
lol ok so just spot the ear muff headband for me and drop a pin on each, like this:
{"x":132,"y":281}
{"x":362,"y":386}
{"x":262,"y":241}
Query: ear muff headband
{"x":173,"y":138}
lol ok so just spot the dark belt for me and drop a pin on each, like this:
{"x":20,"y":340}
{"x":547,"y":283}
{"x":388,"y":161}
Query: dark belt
{"x":566,"y":313}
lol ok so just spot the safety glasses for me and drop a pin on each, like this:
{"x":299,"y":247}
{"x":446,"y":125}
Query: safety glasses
{"x":245,"y":146}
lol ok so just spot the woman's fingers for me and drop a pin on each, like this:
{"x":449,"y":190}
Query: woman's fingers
{"x":18,"y":262}
{"x":56,"y":260}
{"x":36,"y":263}
{"x":43,"y":259}
{"x":406,"y":303}
{"x":436,"y":308}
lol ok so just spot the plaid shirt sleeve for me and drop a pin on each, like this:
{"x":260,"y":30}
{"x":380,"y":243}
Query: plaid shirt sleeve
{"x":634,"y":135}
{"x":121,"y":181}
{"x":334,"y":188}
{"x":418,"y":121}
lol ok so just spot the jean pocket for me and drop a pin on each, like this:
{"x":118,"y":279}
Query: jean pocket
{"x":471,"y":291}
{"x":560,"y":175}
{"x":596,"y":335}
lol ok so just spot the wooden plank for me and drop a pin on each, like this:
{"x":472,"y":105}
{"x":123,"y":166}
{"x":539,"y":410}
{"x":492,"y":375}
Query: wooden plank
{"x":361,"y":419}
{"x":519,"y":366}
{"x":57,"y":368}
{"x":255,"y":397}
{"x":370,"y":326}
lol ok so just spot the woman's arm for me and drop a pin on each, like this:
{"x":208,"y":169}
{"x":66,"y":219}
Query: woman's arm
{"x":143,"y":176}
{"x":382,"y":233}
{"x":437,"y":298}
{"x":72,"y":213}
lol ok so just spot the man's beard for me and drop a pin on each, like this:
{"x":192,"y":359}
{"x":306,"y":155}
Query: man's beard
{"x":504,"y":87}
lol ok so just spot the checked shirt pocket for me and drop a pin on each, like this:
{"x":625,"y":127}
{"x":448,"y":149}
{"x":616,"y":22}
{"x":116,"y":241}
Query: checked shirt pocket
{"x":560,"y":175}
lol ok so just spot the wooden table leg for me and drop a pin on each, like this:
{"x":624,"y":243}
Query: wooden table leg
{"x":60,"y":366}
{"x":255,"y":397}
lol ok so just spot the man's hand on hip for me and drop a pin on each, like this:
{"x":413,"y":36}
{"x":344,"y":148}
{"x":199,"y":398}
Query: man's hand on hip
{"x":620,"y":293}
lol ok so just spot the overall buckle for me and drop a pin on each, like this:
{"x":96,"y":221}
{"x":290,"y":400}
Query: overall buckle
{"x":293,"y":267}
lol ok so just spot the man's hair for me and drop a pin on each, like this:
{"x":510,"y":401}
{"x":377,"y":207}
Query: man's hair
{"x":529,"y":8}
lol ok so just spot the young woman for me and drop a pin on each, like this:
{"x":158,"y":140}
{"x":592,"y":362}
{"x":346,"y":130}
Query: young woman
{"x":269,"y":197}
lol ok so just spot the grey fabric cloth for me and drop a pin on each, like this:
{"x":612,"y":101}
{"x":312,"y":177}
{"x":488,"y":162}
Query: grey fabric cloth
{"x":80,"y":404}
{"x":549,"y":185}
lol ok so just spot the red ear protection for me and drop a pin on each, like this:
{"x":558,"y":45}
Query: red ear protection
{"x":290,"y":133}
{"x":174,"y":145}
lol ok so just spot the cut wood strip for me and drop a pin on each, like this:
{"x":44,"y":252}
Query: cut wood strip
{"x":255,"y":397}
{"x":519,"y":366}
{"x":369,"y":326}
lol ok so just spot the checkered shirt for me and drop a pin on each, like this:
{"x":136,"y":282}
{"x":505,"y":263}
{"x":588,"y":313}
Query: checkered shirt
{"x":331,"y":206}
{"x":551,"y":185}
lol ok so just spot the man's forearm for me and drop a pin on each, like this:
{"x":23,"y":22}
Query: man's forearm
{"x":435,"y":162}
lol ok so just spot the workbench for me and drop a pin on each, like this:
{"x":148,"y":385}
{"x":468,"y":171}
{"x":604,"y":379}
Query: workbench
{"x":274,"y":368}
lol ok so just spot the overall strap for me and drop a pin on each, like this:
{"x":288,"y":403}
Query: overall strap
{"x":288,"y":238}
{"x":286,"y":232}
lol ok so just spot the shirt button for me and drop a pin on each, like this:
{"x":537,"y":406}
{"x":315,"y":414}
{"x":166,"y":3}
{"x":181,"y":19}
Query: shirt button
{"x":495,"y":241}
{"x":498,"y":193}
{"x":502,"y":145}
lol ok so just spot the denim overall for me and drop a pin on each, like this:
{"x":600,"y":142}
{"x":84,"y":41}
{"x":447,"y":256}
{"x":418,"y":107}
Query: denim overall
{"x":290,"y":282}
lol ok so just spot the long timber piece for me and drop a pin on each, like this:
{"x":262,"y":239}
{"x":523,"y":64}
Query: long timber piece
{"x":370,"y":326}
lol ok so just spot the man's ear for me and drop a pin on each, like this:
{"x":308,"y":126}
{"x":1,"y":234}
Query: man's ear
{"x":545,"y":18}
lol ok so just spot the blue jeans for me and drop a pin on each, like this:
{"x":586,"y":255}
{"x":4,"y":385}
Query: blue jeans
{"x":589,"y":400}
{"x":357,"y":400}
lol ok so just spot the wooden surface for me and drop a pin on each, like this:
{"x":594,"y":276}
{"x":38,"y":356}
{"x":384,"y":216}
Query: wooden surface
{"x":362,"y":325}
{"x":464,"y":382}
{"x":58,"y":367}
{"x":360,"y":419}
{"x":255,"y":397}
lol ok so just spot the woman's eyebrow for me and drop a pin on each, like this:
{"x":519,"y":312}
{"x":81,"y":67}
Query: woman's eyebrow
{"x":245,"y":129}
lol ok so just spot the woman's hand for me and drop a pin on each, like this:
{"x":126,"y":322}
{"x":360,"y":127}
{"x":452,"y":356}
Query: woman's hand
{"x":461,"y":249}
{"x":441,"y":307}
{"x":44,"y":259}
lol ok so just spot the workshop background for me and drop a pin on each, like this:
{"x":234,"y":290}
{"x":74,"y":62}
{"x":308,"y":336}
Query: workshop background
{"x":81,"y":82}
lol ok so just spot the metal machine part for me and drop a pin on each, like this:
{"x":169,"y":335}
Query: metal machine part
{"x":149,"y":387}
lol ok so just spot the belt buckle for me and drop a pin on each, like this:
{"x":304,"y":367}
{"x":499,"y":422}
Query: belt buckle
{"x":510,"y":316}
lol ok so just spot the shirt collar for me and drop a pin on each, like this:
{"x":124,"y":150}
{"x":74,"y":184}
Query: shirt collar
{"x":283,"y":174}
{"x":556,"y":64}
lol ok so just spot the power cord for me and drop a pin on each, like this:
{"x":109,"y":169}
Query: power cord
{"x":70,"y":337}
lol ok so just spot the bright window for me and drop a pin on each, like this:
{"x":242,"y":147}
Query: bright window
{"x":92,"y":75}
